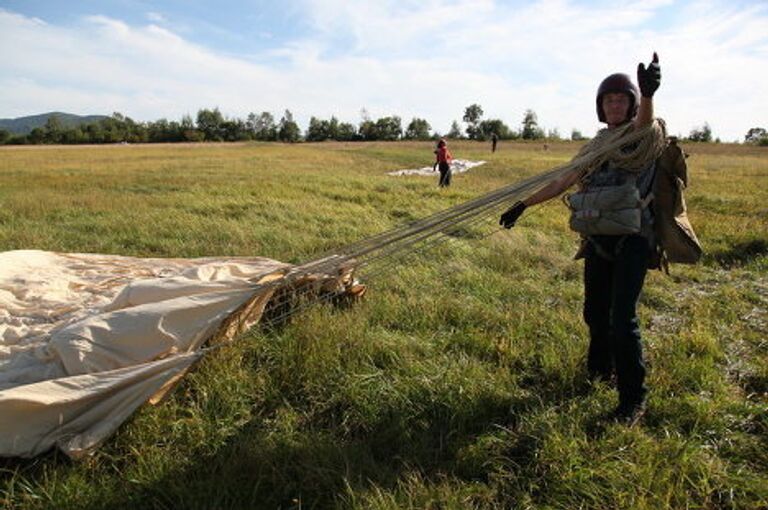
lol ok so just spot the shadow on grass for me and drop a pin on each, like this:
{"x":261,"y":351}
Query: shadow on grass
{"x":740,"y":253}
{"x":320,"y":463}
{"x":314,"y":467}
{"x":318,"y":466}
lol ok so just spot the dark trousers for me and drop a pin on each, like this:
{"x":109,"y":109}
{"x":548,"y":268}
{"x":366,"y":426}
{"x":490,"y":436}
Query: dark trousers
{"x":614,"y":272}
{"x":445,"y":174}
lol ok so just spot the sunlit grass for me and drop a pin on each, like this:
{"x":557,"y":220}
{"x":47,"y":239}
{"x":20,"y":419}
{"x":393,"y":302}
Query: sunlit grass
{"x":458,"y":382}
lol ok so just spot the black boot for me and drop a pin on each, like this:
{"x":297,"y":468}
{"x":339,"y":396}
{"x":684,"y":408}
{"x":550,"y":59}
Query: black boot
{"x":629,"y":413}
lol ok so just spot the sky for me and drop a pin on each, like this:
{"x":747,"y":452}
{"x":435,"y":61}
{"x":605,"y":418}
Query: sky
{"x":428,"y":59}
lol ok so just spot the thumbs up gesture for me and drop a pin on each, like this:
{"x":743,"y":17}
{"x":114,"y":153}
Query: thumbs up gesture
{"x":649,"y":78}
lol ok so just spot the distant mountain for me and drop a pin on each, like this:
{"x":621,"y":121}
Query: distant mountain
{"x":23,"y":125}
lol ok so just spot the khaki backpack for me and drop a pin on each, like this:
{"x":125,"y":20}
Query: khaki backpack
{"x":677,"y":242}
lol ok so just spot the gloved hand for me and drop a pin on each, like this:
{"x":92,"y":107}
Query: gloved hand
{"x":649,"y":78}
{"x":511,"y":215}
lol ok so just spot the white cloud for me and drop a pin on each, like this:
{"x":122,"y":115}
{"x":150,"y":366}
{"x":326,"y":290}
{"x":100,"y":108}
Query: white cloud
{"x":425,"y":59}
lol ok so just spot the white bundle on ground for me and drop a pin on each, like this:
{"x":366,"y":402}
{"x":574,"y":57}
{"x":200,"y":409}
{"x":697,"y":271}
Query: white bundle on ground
{"x":457,"y":166}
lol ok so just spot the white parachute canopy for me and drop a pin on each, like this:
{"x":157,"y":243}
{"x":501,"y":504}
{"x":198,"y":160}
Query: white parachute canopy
{"x":458,"y":166}
{"x":86,"y":339}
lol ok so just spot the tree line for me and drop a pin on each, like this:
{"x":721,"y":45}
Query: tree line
{"x":210,"y":125}
{"x":755,"y":136}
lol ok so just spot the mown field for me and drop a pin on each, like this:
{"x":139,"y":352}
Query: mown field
{"x":457,"y":382}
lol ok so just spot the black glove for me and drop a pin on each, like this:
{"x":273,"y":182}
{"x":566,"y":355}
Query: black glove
{"x":649,"y":78}
{"x":511,"y":215}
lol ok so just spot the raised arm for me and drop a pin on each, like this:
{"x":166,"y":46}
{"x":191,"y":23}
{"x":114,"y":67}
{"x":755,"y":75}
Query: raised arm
{"x":649,"y":79}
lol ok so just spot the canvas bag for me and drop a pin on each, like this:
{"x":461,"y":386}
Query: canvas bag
{"x":674,"y":233}
{"x":608,"y":210}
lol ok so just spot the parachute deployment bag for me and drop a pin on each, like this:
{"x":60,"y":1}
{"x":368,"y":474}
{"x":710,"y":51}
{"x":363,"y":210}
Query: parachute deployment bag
{"x":674,"y":233}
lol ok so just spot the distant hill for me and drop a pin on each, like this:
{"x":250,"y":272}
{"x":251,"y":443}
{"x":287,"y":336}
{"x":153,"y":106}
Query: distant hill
{"x":23,"y":125}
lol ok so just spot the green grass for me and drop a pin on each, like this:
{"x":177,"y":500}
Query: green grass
{"x":458,"y":382}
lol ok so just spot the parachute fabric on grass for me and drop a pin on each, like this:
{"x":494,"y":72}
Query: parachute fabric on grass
{"x":86,"y":339}
{"x":458,"y":166}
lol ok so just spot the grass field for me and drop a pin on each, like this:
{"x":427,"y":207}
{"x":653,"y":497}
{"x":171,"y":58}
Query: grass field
{"x":457,"y":382}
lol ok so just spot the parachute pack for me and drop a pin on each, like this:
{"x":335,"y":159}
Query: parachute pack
{"x":677,"y":242}
{"x":615,"y":210}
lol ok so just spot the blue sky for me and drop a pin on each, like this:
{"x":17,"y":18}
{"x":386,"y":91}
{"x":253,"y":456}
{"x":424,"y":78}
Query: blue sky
{"x":425,"y":58}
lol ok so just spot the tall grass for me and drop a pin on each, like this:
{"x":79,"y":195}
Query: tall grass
{"x":458,"y":382}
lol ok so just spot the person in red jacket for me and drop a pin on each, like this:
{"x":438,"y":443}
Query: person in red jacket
{"x":444,"y":158}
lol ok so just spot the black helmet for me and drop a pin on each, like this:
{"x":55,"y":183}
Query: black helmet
{"x":618,"y":82}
